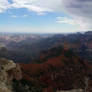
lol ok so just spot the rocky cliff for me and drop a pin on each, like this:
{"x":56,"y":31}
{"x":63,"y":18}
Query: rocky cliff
{"x":8,"y":71}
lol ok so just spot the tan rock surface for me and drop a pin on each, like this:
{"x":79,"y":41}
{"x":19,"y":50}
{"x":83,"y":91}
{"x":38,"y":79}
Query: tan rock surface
{"x":8,"y":71}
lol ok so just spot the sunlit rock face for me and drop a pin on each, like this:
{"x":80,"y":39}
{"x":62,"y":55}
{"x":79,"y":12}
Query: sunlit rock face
{"x":74,"y":90}
{"x":8,"y":71}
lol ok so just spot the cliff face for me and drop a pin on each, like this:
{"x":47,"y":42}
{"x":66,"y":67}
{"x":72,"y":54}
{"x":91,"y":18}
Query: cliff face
{"x":8,"y":71}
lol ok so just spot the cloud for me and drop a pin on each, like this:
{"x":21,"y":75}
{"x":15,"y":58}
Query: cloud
{"x":24,"y":16}
{"x":14,"y":16}
{"x":73,"y":21}
{"x":4,"y":5}
{"x":19,"y":16}
{"x":65,"y":20}
{"x":38,"y":6}
{"x":81,"y":10}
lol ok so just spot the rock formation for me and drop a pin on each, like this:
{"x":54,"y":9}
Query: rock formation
{"x":8,"y":71}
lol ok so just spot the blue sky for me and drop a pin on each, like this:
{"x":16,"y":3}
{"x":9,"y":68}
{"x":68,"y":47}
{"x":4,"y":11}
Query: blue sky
{"x":37,"y":17}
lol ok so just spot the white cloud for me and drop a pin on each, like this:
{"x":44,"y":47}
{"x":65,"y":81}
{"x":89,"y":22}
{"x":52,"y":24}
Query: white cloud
{"x":25,"y":15}
{"x":38,"y":6}
{"x":73,"y":21}
{"x":19,"y":16}
{"x":4,"y":5}
{"x":14,"y":16}
{"x":80,"y":10}
{"x":65,"y":20}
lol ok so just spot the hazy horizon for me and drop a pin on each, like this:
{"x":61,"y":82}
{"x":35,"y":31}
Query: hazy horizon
{"x":43,"y":32}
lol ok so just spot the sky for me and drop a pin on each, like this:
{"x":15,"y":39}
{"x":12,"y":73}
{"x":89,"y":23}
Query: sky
{"x":45,"y":16}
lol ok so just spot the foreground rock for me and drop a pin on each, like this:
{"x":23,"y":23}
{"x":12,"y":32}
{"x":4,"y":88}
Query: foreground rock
{"x":8,"y":71}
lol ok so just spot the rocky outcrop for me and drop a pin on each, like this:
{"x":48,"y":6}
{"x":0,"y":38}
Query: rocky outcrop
{"x":8,"y":71}
{"x":74,"y":90}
